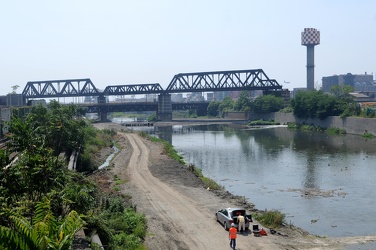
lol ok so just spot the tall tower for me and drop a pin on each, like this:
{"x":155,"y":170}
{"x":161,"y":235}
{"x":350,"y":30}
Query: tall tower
{"x":310,"y":38}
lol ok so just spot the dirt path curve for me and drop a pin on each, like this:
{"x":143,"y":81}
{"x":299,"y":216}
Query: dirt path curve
{"x":186,"y":224}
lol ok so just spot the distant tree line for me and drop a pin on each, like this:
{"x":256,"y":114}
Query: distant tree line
{"x":317,"y":104}
{"x":262,"y":104}
{"x":305,"y":104}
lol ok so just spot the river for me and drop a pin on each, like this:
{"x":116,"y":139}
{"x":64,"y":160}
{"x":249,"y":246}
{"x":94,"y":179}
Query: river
{"x":324,"y":184}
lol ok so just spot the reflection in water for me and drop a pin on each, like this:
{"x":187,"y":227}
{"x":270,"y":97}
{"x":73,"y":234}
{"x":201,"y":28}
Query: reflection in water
{"x":310,"y":182}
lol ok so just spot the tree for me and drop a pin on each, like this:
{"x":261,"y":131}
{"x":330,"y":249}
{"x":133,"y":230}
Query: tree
{"x":341,"y":91}
{"x":317,"y":104}
{"x":266,"y":104}
{"x":243,"y":102}
{"x":213,"y":108}
{"x":226,"y":104}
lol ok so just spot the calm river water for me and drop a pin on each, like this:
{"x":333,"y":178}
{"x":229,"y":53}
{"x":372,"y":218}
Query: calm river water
{"x":324,"y":184}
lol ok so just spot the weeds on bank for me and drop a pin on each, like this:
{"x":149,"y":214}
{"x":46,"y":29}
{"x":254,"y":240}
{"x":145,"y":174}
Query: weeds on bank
{"x":306,"y":127}
{"x":209,"y":183}
{"x":262,"y":122}
{"x":168,"y":149}
{"x":368,"y":135}
{"x":118,"y":226}
{"x":336,"y":131}
{"x":118,"y":182}
{"x":271,"y":218}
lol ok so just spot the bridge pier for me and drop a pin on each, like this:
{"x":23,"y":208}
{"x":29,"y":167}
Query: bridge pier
{"x":164,"y":112}
{"x":102,"y":112}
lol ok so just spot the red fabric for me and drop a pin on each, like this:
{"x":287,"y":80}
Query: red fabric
{"x":263,"y":232}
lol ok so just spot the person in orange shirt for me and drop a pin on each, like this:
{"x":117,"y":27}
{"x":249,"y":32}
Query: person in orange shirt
{"x":232,"y":235}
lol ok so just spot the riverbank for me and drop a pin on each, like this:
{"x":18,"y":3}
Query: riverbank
{"x":177,"y":176}
{"x":352,"y":125}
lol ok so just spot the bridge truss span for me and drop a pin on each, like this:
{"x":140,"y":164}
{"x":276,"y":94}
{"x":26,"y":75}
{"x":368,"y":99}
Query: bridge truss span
{"x":255,"y":79}
{"x":133,"y":89}
{"x":60,"y":88}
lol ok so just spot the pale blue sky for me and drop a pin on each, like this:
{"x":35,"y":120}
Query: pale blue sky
{"x":127,"y":42}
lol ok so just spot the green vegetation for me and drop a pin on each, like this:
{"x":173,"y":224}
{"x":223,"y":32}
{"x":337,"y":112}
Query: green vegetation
{"x":43,"y":231}
{"x":168,"y":149}
{"x":209,"y":183}
{"x":267,"y":104}
{"x":262,"y":122}
{"x":243,"y":103}
{"x":118,"y":226}
{"x":213,"y":108}
{"x":306,"y":127}
{"x":94,"y":141}
{"x":262,"y":104}
{"x":152,"y":118}
{"x":368,"y":135}
{"x":271,"y":218}
{"x":42,"y":203}
{"x":336,"y":131}
{"x":317,"y":104}
{"x":117,"y":183}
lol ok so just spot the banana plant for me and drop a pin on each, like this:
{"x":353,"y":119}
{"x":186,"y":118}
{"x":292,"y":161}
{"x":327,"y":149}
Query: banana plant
{"x":45,"y":231}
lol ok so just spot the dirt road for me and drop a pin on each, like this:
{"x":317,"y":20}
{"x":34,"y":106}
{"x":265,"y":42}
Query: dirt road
{"x":180,"y":221}
{"x":180,"y":212}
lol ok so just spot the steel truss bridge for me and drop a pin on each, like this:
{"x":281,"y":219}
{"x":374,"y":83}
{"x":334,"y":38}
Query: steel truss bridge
{"x":235,"y":80}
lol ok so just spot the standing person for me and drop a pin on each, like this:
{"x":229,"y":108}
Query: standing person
{"x":241,"y":223}
{"x":232,"y":235}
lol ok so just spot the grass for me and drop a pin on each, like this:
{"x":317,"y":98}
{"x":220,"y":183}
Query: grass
{"x":271,"y":218}
{"x":262,"y":122}
{"x":368,"y":135}
{"x":209,"y":183}
{"x":168,"y":149}
{"x":336,"y":131}
{"x":310,"y":127}
{"x":118,"y":182}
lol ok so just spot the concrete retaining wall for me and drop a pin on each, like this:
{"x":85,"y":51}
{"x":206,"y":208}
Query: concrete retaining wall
{"x":352,"y":125}
{"x":236,"y":115}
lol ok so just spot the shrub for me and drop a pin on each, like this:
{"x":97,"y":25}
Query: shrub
{"x":272,"y":218}
{"x":368,"y":135}
{"x":262,"y":122}
{"x":336,"y":131}
{"x":209,"y":183}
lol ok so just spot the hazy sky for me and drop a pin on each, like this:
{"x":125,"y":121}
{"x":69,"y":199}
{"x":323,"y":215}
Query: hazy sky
{"x":128,"y":42}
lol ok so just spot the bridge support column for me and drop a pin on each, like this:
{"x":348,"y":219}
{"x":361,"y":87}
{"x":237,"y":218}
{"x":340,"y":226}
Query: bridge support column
{"x":164,"y":112}
{"x":102,"y":113}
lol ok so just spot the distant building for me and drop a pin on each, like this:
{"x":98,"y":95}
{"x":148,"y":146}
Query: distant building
{"x":36,"y":102}
{"x":296,"y":90}
{"x":209,"y":97}
{"x":361,"y":98}
{"x":195,"y":97}
{"x":358,"y":82}
{"x":15,"y":100}
{"x":177,"y":97}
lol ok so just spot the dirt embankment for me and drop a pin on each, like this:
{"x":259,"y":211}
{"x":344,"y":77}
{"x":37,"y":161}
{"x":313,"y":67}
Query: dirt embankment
{"x":180,"y":211}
